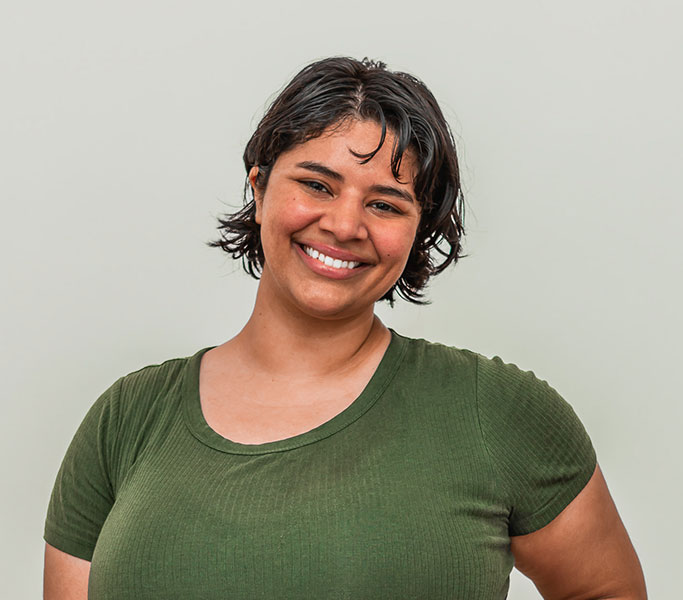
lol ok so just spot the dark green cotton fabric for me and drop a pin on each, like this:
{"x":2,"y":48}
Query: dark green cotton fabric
{"x":411,"y":492}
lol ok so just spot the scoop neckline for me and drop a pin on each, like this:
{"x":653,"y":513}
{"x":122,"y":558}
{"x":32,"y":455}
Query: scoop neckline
{"x":200,"y":429}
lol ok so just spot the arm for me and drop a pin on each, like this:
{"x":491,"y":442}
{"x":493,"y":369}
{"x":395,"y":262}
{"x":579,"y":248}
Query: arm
{"x":81,"y":499}
{"x":584,"y":553}
{"x":65,"y":576}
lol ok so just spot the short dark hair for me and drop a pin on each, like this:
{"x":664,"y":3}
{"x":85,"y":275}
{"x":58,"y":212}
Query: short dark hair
{"x":327,"y":93}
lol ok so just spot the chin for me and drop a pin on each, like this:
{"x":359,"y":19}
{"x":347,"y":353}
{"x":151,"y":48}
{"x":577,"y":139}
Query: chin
{"x":327,"y":308}
{"x":330,"y":312}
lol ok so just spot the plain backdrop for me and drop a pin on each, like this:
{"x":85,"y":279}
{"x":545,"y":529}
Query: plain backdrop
{"x":122,"y":126}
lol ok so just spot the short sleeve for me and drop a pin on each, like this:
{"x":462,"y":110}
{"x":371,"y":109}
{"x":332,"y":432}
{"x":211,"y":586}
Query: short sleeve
{"x":541,"y":453}
{"x":83,"y":493}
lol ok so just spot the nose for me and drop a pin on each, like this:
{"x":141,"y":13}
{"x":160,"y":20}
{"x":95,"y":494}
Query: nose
{"x":345,"y":217}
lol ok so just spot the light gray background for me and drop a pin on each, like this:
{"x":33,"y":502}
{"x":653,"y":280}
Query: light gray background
{"x":121,"y":131}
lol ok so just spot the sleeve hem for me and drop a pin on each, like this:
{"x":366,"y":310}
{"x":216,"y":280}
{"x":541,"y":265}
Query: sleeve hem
{"x":551,"y":510}
{"x":69,"y":545}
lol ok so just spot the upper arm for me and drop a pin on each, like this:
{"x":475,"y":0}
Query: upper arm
{"x":83,"y":493}
{"x":584,"y":552}
{"x":65,"y":576}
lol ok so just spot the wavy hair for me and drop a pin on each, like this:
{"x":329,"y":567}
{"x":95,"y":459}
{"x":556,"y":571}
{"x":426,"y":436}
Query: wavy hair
{"x":326,"y":94}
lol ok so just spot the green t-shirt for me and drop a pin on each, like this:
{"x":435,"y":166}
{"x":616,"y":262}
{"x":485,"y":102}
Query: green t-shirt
{"x":413,"y":491}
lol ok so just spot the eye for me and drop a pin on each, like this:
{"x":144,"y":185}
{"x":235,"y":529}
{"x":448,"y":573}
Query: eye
{"x":316,"y":186}
{"x":385,"y":207}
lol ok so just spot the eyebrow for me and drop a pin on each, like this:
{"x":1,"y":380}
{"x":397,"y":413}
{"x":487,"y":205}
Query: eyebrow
{"x":322,"y":169}
{"x":386,"y":190}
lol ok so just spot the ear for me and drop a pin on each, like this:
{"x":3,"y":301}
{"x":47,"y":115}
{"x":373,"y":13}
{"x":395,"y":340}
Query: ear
{"x":258,"y":196}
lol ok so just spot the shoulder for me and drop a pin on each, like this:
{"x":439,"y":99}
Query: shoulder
{"x":150,"y":382}
{"x":496,"y":372}
{"x":435,"y":358}
{"x":149,"y":394}
{"x":138,"y":408}
{"x":512,"y":403}
{"x":493,"y":376}
{"x":140,"y":398}
{"x":434,"y":374}
{"x":508,"y":395}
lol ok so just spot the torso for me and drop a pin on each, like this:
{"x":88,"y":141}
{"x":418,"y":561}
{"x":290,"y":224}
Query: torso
{"x":392,"y":500}
{"x":408,"y":493}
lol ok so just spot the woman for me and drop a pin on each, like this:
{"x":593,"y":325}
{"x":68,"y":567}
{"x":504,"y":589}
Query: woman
{"x":318,"y":454}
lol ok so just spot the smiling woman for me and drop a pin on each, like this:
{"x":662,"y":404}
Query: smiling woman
{"x":319,"y":454}
{"x":326,"y":97}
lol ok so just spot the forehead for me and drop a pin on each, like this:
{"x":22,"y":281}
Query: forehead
{"x":344,"y":144}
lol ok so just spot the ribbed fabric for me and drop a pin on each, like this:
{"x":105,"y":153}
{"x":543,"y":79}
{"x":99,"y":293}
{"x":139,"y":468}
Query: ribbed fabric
{"x":411,"y":492}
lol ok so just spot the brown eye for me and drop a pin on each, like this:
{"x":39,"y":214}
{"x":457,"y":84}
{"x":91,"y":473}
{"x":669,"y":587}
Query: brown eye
{"x":315,"y":186}
{"x":384,"y":207}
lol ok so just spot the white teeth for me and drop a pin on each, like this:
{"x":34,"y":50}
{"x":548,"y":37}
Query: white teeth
{"x":335,"y":263}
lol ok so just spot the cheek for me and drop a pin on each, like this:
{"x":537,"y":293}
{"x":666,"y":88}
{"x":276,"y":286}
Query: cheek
{"x":396,"y":247}
{"x":284,"y":216}
{"x":299,"y":215}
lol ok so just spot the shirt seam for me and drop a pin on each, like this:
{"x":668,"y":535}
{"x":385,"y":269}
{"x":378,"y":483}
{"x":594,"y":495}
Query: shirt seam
{"x":498,"y":480}
{"x":111,"y":451}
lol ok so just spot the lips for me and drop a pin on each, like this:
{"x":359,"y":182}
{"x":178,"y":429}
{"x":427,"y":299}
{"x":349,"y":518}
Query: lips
{"x":335,"y":263}
{"x":332,"y":252}
{"x":331,"y":262}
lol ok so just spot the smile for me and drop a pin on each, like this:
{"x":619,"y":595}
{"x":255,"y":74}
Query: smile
{"x":335,"y":263}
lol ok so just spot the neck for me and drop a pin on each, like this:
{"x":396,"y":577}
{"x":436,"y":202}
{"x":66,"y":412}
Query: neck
{"x":280,"y":340}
